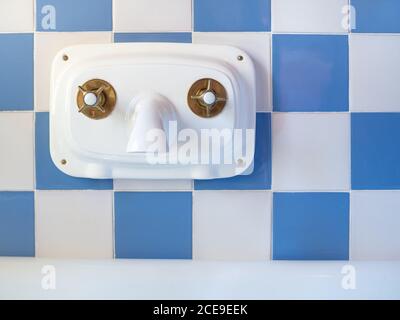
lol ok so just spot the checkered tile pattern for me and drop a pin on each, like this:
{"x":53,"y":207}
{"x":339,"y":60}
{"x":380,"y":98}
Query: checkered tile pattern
{"x":326,"y":180}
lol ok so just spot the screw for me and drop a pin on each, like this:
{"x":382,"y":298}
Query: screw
{"x":65,"y":57}
{"x":240,"y":58}
{"x":240,"y":162}
{"x":63,"y":162}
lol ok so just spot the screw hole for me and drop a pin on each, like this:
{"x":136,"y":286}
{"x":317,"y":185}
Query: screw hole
{"x":240,"y":163}
{"x":63,"y":162}
{"x":65,"y":57}
{"x":240,"y":58}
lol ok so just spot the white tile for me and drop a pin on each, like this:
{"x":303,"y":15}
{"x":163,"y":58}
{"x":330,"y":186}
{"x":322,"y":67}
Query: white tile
{"x":17,"y":156}
{"x":375,"y":225}
{"x":16,"y":16}
{"x":258,"y":46}
{"x":374,"y":73}
{"x":152,"y":185}
{"x":47,"y":45}
{"x":74,"y":224}
{"x":152,"y":15}
{"x":310,"y":151}
{"x":313,"y":16}
{"x":231,"y":225}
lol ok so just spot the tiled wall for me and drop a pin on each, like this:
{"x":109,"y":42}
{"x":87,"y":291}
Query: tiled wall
{"x":326,"y":183}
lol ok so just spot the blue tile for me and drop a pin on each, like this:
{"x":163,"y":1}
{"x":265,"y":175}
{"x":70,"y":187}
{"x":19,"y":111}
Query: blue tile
{"x":153,"y":225}
{"x":375,"y":151}
{"x":182,"y":37}
{"x":377,"y":16}
{"x":232,"y":15}
{"x":17,"y":224}
{"x":310,"y":73}
{"x":48,"y":177}
{"x":311,"y":226}
{"x":260,"y":179}
{"x":16,"y":71}
{"x":74,"y":15}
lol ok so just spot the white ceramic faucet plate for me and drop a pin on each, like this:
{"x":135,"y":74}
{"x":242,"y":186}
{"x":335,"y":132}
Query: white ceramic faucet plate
{"x":155,"y":79}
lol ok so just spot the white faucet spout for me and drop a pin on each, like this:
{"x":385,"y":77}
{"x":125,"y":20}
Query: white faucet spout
{"x":150,"y":113}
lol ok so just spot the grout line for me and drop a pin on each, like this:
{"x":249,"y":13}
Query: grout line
{"x":235,"y":191}
{"x":193,"y":228}
{"x":270,"y":79}
{"x":34,"y":149}
{"x":348,"y":31}
{"x":271,"y":245}
{"x":193,"y":16}
{"x":35,"y":202}
{"x":34,"y":15}
{"x":112,"y":16}
{"x":310,"y":191}
{"x":317,"y":33}
{"x":114,"y":255}
{"x":152,"y":190}
{"x":350,"y":224}
{"x":16,"y":32}
{"x":137,"y":31}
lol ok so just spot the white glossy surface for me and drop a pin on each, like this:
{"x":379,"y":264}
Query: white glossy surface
{"x":21,"y":279}
{"x":16,"y":145}
{"x":374,"y":73}
{"x":152,"y":15}
{"x":258,"y":46}
{"x":16,"y":16}
{"x":314,"y":16}
{"x":310,"y":151}
{"x":225,"y":228}
{"x":375,"y":225}
{"x":209,"y":98}
{"x":134,"y":69}
{"x":149,"y":112}
{"x":90,"y":99}
{"x":74,"y":224}
{"x":47,"y":44}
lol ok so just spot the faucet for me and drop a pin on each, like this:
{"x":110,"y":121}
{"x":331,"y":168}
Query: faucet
{"x":149,"y":114}
{"x":153,"y":111}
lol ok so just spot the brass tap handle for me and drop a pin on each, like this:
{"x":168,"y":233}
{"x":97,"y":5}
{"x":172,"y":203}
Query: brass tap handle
{"x":93,"y":99}
{"x":96,"y":99}
{"x":201,"y":98}
{"x":207,"y":98}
